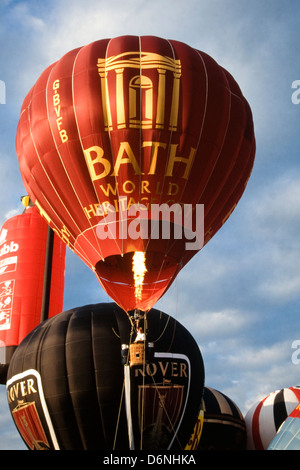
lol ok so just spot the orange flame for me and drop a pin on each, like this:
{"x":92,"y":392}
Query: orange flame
{"x":139,"y":269}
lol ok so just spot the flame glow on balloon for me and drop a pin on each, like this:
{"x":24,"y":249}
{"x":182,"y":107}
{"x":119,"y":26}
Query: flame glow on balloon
{"x":119,"y":126}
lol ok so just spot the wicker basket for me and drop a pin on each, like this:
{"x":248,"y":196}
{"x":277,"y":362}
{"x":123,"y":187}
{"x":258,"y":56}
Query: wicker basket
{"x":137,"y":353}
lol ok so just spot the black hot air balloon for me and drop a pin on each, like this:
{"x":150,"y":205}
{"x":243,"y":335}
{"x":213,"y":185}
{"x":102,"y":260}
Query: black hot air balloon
{"x":79,"y":381}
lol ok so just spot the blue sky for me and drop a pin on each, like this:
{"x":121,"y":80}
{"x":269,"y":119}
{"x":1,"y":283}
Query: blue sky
{"x":240,"y":296}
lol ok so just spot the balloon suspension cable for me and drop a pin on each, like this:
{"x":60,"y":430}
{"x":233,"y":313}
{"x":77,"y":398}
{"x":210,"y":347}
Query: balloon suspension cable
{"x":132,"y":356}
{"x":140,"y":349}
{"x":139,"y":325}
{"x":136,"y":352}
{"x":137,"y":349}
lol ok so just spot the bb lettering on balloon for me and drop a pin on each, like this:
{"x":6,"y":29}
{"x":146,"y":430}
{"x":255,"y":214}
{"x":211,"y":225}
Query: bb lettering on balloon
{"x":57,"y":107}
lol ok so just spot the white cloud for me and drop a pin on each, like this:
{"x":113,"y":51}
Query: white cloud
{"x":210,"y":325}
{"x":283,"y":286}
{"x":279,"y":204}
{"x":22,"y":15}
{"x":274,"y":214}
{"x":253,"y":357}
{"x":12,"y":213}
{"x":247,"y":372}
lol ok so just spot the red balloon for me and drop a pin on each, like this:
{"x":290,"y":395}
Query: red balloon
{"x":23,"y":240}
{"x":120,"y":125}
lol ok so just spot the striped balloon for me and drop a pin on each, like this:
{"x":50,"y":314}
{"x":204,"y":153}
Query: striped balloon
{"x":265,"y":417}
{"x":224,"y":427}
{"x":288,"y":435}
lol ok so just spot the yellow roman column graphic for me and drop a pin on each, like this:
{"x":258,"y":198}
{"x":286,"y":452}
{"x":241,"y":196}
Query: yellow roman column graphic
{"x":144,"y":86}
{"x":160,"y":112}
{"x":104,"y":95}
{"x":120,"y":99}
{"x":175,"y":102}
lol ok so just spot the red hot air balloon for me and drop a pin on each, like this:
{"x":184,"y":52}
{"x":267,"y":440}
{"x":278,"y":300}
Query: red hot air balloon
{"x":124,"y":138}
{"x":23,"y":242}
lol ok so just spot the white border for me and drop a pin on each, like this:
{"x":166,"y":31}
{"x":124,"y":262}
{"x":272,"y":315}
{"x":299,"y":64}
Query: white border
{"x":42,"y":399}
{"x":185,"y":358}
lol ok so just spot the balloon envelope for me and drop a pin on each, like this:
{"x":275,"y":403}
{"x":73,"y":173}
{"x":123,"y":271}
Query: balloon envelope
{"x":288,"y":435}
{"x":265,"y":417}
{"x":68,"y":388}
{"x":224,"y":427}
{"x":121,"y":142}
{"x":23,"y":242}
